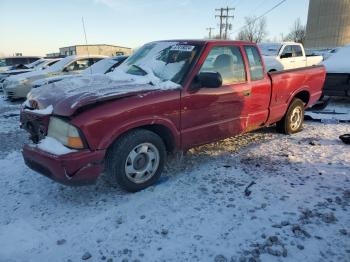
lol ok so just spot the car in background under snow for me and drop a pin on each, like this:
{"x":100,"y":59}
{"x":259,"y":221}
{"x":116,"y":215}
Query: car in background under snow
{"x":103,"y":66}
{"x":37,"y":65}
{"x":338,"y":73}
{"x":18,"y":86}
{"x":7,"y":62}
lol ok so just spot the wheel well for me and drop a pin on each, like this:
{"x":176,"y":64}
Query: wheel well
{"x":162,"y":131}
{"x":303,"y":96}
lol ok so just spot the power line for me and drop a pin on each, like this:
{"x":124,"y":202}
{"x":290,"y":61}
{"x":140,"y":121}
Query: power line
{"x":265,"y":13}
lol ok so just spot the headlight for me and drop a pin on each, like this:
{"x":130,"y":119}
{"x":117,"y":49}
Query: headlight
{"x":64,"y":132}
{"x":23,"y":81}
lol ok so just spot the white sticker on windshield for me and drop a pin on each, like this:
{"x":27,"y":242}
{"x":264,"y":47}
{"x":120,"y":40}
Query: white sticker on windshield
{"x":184,"y":48}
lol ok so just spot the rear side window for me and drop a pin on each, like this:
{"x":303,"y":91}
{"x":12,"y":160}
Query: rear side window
{"x":297,"y":51}
{"x":255,"y":64}
{"x":228,"y":61}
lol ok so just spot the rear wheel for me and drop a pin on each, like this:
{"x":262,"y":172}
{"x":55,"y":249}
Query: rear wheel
{"x":293,"y":120}
{"x":136,"y":160}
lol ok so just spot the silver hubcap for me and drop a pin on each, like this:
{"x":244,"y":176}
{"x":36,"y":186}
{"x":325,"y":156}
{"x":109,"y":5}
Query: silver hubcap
{"x":142,"y":163}
{"x":296,"y":118}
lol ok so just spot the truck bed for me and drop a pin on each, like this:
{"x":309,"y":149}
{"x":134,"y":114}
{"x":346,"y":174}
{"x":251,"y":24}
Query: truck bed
{"x":307,"y":82}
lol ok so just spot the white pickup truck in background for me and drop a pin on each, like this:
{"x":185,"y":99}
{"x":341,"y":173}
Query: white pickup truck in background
{"x":287,"y":55}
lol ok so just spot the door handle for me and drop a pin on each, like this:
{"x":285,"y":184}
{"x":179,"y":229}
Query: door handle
{"x":247,"y":92}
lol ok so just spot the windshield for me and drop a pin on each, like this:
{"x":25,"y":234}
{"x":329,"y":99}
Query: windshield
{"x":36,"y":63}
{"x":100,"y":67}
{"x":270,"y":49}
{"x":166,"y":61}
{"x":60,"y":64}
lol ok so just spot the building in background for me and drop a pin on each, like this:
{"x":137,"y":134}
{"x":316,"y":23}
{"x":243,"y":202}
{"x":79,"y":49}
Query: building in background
{"x":108,"y":50}
{"x":53,"y":55}
{"x":328,"y":24}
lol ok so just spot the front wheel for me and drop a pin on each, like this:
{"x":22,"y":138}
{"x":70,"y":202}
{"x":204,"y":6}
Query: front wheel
{"x":292,"y":122}
{"x":136,"y":160}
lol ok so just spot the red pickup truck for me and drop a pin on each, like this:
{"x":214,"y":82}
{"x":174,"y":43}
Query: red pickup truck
{"x":169,"y":95}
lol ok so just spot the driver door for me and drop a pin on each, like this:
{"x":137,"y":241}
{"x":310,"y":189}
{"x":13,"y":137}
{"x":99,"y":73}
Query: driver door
{"x":211,"y":114}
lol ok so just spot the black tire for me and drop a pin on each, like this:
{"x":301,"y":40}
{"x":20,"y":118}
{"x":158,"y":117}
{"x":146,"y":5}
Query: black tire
{"x":286,"y":125}
{"x":118,"y":153}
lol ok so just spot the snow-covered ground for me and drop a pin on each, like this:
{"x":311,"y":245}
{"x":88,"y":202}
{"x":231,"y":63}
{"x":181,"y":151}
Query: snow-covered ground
{"x":297,"y":207}
{"x":337,"y":110}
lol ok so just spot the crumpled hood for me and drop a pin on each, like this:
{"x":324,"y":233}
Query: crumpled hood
{"x":68,"y":95}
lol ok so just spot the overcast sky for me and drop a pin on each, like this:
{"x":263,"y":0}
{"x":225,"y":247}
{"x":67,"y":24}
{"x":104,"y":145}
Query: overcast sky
{"x":37,"y":27}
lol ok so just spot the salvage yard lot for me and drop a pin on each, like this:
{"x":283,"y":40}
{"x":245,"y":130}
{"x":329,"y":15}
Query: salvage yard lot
{"x":297,"y":207}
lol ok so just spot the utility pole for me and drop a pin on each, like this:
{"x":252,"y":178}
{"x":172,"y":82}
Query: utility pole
{"x":227,"y":25}
{"x":220,"y":16}
{"x":210,"y":29}
{"x":224,"y":25}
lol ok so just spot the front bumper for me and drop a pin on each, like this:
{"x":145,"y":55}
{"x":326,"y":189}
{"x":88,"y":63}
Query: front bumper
{"x":76,"y":168}
{"x":16,"y":91}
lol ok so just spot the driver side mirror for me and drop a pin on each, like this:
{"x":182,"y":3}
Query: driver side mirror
{"x":208,"y":79}
{"x":286,"y":55}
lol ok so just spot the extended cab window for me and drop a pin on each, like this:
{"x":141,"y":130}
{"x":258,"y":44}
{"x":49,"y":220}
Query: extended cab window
{"x":255,"y":64}
{"x":228,"y":61}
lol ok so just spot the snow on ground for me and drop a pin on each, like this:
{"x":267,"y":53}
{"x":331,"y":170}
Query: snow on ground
{"x":338,"y":109}
{"x":296,"y":209}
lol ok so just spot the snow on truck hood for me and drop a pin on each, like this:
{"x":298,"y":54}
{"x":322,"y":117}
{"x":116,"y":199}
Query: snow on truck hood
{"x":70,"y":94}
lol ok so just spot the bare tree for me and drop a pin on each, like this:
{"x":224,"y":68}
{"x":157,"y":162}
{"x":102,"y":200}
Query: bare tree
{"x":254,"y":30}
{"x":297,"y":33}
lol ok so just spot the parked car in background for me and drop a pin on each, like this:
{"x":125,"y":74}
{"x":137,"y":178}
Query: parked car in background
{"x":338,"y":73}
{"x":103,"y":66}
{"x":18,"y":86}
{"x":169,"y":95}
{"x":37,"y":65}
{"x":7,"y":62}
{"x":289,"y":54}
